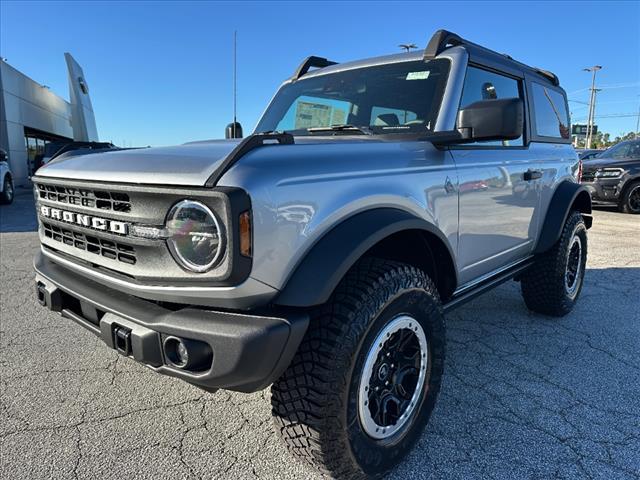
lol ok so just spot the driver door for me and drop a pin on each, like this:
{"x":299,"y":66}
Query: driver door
{"x":497,"y":190}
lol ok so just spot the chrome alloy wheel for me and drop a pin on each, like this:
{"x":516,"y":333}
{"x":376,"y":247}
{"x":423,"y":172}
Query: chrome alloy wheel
{"x":573,"y":272}
{"x":393,"y":377}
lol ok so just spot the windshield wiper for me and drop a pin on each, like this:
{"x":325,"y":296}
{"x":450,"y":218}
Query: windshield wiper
{"x":341,"y":128}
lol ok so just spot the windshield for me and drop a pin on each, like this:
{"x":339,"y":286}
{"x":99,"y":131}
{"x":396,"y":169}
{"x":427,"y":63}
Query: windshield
{"x":392,"y":98}
{"x":622,"y":150}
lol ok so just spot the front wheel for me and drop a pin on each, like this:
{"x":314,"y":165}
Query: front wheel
{"x":630,"y":201}
{"x":6,"y":196}
{"x":552,"y":285}
{"x":366,"y":377}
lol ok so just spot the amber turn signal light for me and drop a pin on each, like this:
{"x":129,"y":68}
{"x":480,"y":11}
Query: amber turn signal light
{"x":245,"y":234}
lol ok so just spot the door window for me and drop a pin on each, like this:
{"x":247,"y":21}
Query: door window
{"x":480,"y":85}
{"x":550,"y":108}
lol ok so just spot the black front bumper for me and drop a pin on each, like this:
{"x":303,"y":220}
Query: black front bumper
{"x":604,"y":190}
{"x":249,"y":352}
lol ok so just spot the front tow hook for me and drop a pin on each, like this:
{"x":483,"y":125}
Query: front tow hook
{"x":122,"y":340}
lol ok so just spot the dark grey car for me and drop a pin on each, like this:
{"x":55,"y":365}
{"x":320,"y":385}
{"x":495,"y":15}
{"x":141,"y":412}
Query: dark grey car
{"x":613,"y":177}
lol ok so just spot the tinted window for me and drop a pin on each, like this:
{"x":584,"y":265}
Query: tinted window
{"x":550,"y":108}
{"x":623,"y":150}
{"x":483,"y":85}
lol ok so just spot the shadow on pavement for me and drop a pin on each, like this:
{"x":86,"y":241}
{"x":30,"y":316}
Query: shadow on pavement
{"x":528,"y":396}
{"x":20,"y":216}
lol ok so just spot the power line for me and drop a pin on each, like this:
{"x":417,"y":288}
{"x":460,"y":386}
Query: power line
{"x":608,"y":87}
{"x":612,"y":115}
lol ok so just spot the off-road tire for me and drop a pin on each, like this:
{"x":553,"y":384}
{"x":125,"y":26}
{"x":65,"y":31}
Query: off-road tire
{"x":7,"y":194}
{"x":315,"y":402}
{"x":543,"y":284}
{"x":625,"y":205}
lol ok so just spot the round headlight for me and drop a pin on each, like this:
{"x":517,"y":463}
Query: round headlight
{"x":195,"y":238}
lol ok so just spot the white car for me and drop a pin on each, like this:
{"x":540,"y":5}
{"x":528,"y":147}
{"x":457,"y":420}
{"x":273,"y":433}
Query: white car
{"x":6,"y":179}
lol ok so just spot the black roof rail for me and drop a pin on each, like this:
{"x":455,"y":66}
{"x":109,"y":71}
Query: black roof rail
{"x":440,"y":41}
{"x":549,"y":75}
{"x":311,"y":62}
{"x":443,"y":39}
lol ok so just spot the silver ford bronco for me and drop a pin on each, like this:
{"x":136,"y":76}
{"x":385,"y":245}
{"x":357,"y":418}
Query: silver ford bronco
{"x":320,"y":254}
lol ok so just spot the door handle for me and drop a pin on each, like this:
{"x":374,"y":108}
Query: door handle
{"x":532,"y":175}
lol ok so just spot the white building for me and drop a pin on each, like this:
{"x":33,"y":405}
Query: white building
{"x":31,"y":116}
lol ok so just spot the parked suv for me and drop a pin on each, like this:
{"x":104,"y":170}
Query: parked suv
{"x":613,"y":177}
{"x":320,"y":254}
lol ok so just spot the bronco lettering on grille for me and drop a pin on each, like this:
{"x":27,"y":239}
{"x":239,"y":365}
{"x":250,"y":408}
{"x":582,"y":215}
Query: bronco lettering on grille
{"x":120,"y":228}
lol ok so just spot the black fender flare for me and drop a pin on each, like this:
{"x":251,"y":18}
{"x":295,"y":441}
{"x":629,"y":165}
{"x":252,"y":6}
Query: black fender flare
{"x":317,"y":275}
{"x":567,"y":197}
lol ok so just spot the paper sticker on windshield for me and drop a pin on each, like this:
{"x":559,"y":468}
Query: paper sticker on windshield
{"x":417,"y":75}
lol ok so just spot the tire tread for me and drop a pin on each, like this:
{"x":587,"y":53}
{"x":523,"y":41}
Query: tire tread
{"x":306,"y":400}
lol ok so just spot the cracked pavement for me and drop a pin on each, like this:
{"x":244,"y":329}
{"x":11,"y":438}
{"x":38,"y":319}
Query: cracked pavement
{"x":524,"y":396}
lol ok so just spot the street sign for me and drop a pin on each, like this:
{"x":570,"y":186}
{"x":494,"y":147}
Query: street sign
{"x":581,"y":130}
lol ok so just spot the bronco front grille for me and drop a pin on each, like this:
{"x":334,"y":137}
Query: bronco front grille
{"x":97,"y":246}
{"x":104,"y":200}
{"x":81,"y":230}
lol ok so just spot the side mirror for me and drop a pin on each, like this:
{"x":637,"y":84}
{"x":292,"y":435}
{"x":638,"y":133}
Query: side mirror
{"x":495,"y":119}
{"x":233,"y":130}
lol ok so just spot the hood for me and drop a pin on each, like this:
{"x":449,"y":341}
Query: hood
{"x":604,"y":162}
{"x":187,"y":165}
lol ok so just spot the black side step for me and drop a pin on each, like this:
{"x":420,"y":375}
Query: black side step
{"x":469,"y":294}
{"x":245,"y":146}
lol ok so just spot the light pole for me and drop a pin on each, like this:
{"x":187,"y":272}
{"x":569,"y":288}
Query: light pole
{"x":592,"y":102}
{"x":638,"y":123}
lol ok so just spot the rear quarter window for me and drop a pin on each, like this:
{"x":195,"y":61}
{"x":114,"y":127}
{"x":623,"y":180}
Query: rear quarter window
{"x":550,"y":111}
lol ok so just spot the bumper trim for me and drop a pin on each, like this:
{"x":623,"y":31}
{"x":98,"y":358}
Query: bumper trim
{"x":249,"y":351}
{"x":248,"y":294}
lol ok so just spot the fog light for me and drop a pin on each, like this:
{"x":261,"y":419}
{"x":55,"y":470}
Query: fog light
{"x":182,"y":354}
{"x":187,"y":354}
{"x":176,"y":352}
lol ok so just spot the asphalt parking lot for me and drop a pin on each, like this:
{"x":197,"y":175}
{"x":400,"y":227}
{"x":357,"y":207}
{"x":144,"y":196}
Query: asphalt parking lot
{"x":524,"y":396}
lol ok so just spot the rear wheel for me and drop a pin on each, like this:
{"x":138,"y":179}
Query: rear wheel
{"x":366,"y":377}
{"x":6,"y":196}
{"x":630,"y":201}
{"x":553,"y":283}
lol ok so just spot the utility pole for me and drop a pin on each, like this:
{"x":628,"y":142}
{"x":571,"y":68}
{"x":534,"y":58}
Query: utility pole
{"x":593,"y":115}
{"x":592,"y":103}
{"x":638,"y":123}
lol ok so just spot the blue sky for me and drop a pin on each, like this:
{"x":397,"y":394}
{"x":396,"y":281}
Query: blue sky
{"x":160,"y":72}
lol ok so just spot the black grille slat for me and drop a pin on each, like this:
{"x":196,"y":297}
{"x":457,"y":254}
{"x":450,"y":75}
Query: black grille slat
{"x":102,"y":199}
{"x":105,"y":248}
